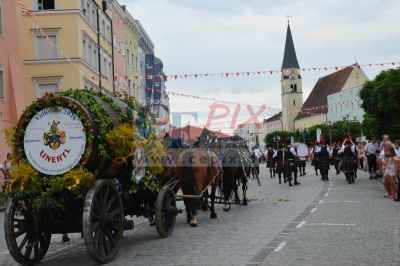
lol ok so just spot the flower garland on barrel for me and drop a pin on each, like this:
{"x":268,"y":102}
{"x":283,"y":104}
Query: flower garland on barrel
{"x":49,"y":193}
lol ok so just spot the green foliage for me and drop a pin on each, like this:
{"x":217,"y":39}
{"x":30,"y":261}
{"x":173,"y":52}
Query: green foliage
{"x":336,"y":132}
{"x":278,"y":137}
{"x":381,"y":98}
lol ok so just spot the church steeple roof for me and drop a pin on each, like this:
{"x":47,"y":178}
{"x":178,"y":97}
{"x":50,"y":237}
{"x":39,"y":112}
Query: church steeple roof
{"x":289,"y":56}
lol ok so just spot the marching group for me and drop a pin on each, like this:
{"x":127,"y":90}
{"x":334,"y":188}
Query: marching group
{"x":379,"y":159}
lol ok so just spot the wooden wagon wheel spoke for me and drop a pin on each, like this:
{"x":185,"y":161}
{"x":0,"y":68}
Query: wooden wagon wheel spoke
{"x":22,"y":244}
{"x":110,"y":203}
{"x":114,"y":213}
{"x":100,"y":239}
{"x":20,"y":232}
{"x":110,"y":237}
{"x":28,"y":250}
{"x":105,"y":199}
{"x":36,"y":249}
{"x":106,"y":244}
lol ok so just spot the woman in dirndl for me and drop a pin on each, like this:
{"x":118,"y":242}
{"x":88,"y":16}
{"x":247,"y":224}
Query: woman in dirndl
{"x":348,"y":160}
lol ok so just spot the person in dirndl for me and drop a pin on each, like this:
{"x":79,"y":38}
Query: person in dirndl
{"x":348,"y":152}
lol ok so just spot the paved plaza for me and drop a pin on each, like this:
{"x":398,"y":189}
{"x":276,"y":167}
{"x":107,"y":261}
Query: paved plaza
{"x":316,"y":223}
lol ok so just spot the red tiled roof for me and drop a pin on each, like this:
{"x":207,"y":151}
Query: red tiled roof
{"x":325,"y":86}
{"x":191,"y":133}
{"x":276,"y":117}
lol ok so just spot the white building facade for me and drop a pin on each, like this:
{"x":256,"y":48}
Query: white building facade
{"x":345,"y":105}
{"x":250,"y":133}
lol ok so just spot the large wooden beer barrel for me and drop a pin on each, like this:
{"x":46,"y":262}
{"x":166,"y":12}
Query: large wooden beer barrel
{"x":60,"y":132}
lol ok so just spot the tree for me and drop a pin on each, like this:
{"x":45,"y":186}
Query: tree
{"x":381,"y":98}
{"x":278,"y":136}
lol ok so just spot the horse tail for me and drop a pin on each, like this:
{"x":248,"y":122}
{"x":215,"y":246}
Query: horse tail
{"x":188,"y":182}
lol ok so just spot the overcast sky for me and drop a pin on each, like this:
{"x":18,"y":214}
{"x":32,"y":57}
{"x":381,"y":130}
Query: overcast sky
{"x":231,"y":35}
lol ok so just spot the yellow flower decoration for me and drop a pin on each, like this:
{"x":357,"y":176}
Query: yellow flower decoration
{"x":78,"y":176}
{"x":122,"y":141}
{"x":23,"y":176}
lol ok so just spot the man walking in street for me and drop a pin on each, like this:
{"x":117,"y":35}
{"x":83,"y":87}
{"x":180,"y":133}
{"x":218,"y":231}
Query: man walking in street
{"x":371,"y":149}
{"x":324,"y":163}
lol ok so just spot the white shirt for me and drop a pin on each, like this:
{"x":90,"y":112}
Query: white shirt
{"x":353,"y":148}
{"x":382,"y":155}
{"x":371,"y":148}
{"x":257,"y":152}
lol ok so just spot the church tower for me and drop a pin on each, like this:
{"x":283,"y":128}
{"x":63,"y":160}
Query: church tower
{"x":291,"y":85}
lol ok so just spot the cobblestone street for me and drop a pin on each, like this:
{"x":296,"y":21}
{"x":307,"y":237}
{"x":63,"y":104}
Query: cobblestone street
{"x":316,"y":223}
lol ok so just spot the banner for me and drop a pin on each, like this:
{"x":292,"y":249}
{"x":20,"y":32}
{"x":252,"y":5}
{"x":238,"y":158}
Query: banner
{"x":149,"y":62}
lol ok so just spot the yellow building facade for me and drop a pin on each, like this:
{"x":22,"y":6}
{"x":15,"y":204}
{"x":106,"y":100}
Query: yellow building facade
{"x":65,"y":44}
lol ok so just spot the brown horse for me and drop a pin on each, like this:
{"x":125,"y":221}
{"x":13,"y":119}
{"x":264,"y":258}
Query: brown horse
{"x":196,"y":169}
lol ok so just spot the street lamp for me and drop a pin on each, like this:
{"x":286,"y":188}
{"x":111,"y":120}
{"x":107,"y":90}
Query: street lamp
{"x":346,"y":118}
{"x":330,"y":133}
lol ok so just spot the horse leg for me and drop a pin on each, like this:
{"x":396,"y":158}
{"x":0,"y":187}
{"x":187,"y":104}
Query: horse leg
{"x":244,"y":189}
{"x":204,"y":204}
{"x":237,"y":198}
{"x":213,"y":215}
{"x":187,"y":208}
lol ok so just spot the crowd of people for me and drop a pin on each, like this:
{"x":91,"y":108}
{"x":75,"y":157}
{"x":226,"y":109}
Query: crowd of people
{"x":379,"y":159}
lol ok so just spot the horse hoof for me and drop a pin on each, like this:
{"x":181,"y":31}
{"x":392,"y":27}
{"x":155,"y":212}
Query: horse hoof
{"x":193,"y":224}
{"x":226,"y":209}
{"x":213,"y":216}
{"x":244,"y":203}
{"x":204,"y":208}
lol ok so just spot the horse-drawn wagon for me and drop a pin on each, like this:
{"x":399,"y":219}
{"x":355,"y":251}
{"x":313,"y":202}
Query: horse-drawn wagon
{"x":84,"y":161}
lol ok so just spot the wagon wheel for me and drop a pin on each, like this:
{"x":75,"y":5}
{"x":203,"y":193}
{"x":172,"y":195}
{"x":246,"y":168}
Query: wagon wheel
{"x":103,"y":221}
{"x":166,"y":211}
{"x":26,"y":240}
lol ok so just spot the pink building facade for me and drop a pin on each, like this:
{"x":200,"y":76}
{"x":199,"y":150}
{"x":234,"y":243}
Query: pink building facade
{"x":11,"y":96}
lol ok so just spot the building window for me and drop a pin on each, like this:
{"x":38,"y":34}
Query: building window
{"x":294,"y":102}
{"x":84,"y":45}
{"x":110,"y":69}
{"x":42,"y":89}
{"x":2,"y":83}
{"x":103,"y":27}
{"x":47,"y":85}
{"x":45,"y":5}
{"x":46,"y":46}
{"x":1,"y":17}
{"x":95,"y":58}
{"x":127,"y":56}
